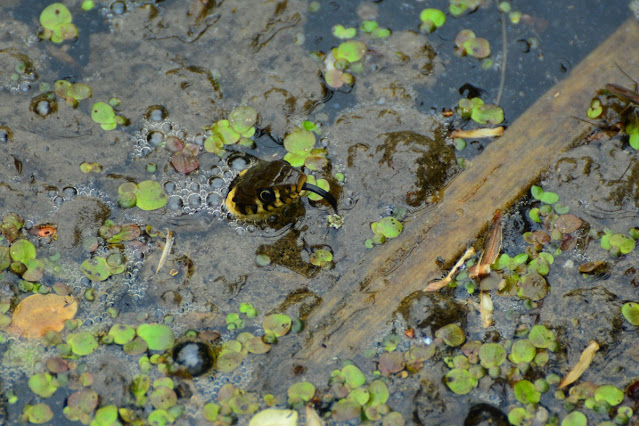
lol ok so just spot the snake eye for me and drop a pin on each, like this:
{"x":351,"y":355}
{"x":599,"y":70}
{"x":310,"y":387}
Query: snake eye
{"x":266,"y":195}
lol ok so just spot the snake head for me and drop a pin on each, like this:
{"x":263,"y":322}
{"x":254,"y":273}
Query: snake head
{"x":268,"y":187}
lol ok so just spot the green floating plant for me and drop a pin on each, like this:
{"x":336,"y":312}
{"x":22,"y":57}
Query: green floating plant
{"x":459,"y":7}
{"x":388,"y":227}
{"x":72,"y":92}
{"x":630,"y":311}
{"x":104,"y":114}
{"x":431,"y":20}
{"x":56,"y":21}
{"x":147,"y":195}
{"x":595,"y":109}
{"x":617,"y":244}
{"x":341,"y":32}
{"x":299,"y":145}
{"x":82,"y":343}
{"x":480,"y":112}
{"x":467,"y":43}
{"x":544,"y":196}
{"x":238,"y":129}
{"x":158,"y":337}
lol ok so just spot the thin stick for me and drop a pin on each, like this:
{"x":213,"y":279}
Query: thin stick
{"x":478,"y":133}
{"x":167,"y":249}
{"x":434,"y":286}
{"x":502,"y":81}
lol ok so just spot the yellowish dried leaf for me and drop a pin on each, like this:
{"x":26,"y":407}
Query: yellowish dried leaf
{"x":39,"y":313}
{"x":584,"y":362}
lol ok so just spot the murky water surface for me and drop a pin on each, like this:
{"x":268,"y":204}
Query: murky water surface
{"x":179,"y":66}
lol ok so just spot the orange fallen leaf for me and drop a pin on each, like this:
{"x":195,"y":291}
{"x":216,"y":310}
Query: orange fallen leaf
{"x":39,"y":313}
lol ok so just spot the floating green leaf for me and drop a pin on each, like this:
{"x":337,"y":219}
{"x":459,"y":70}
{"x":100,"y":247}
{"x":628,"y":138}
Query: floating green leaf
{"x":630,"y":312}
{"x":43,"y":384}
{"x":389,"y":227}
{"x":492,"y":355}
{"x":321,"y":258}
{"x":378,"y":393}
{"x":351,"y":50}
{"x":242,"y":119}
{"x":277,"y":324}
{"x":299,"y":142}
{"x":354,"y":376}
{"x":82,"y":343}
{"x":103,"y":114}
{"x":576,"y":418}
{"x":526,"y":393}
{"x":122,"y":334}
{"x":210,"y":411}
{"x":106,"y":416}
{"x":522,"y":351}
{"x":431,"y":19}
{"x":96,"y":269}
{"x":150,"y":195}
{"x":460,"y":381}
{"x":22,"y":251}
{"x":159,"y":337}
{"x":300,"y":392}
{"x":451,"y":334}
{"x":487,"y":114}
{"x":340,"y":32}
{"x":35,"y":270}
{"x":611,"y":394}
{"x":38,"y":413}
{"x":541,"y":337}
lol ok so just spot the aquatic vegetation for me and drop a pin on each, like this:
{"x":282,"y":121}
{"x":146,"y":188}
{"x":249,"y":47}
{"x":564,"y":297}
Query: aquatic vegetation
{"x":56,"y":21}
{"x":322,"y":258}
{"x":147,"y":195}
{"x":300,"y":393}
{"x":480,"y":112}
{"x":388,"y":227}
{"x":630,"y":311}
{"x":43,"y":384}
{"x":341,"y":32}
{"x":104,"y":114}
{"x":72,"y":92}
{"x":617,"y":244}
{"x":99,"y":269}
{"x":299,"y":146}
{"x":460,"y":7}
{"x":248,"y":310}
{"x":158,"y":337}
{"x":595,"y":110}
{"x":452,"y":335}
{"x":37,"y":413}
{"x":467,"y":43}
{"x":239,"y":128}
{"x":82,"y":343}
{"x":431,"y":20}
{"x":276,"y":325}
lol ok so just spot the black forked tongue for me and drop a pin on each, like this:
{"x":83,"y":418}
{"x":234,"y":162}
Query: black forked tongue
{"x":319,"y":191}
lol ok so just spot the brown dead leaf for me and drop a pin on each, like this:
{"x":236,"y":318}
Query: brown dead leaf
{"x":39,"y":313}
{"x":584,"y":362}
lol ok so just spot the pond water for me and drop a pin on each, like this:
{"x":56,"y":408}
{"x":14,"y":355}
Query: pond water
{"x":173,"y":69}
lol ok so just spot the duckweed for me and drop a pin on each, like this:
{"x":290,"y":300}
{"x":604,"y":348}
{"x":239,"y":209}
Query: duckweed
{"x":158,"y":337}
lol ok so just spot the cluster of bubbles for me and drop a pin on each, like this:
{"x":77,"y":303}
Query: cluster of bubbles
{"x":204,"y":190}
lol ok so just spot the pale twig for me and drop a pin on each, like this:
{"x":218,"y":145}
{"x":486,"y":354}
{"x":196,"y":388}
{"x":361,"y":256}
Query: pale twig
{"x":167,"y":249}
{"x":436,"y":285}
